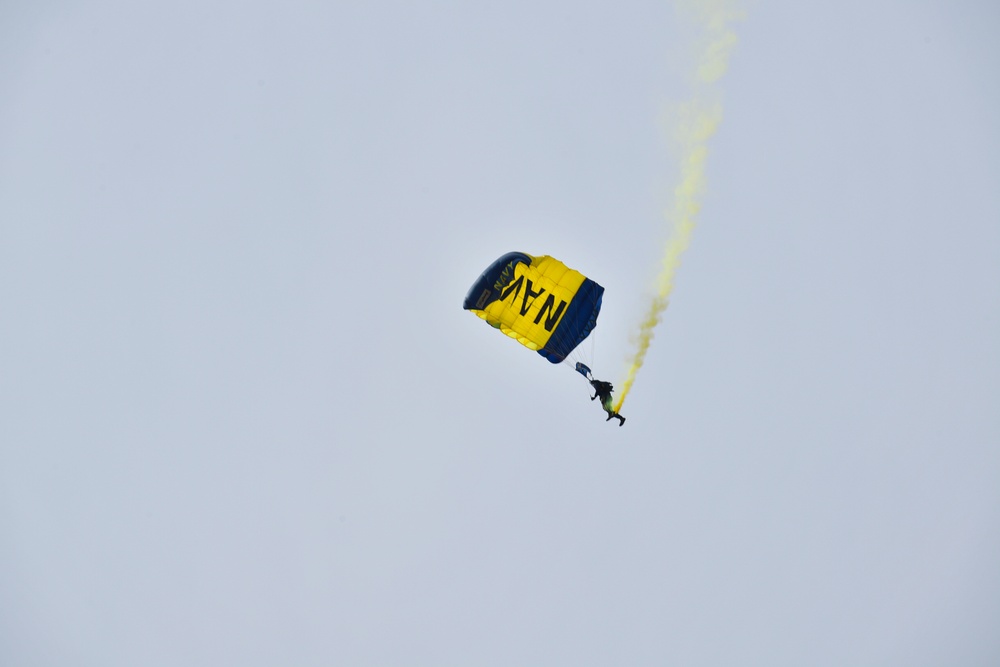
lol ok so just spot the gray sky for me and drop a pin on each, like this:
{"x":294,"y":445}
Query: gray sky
{"x":244,"y":420}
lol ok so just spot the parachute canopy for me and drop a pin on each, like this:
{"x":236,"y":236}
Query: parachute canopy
{"x":539,"y":301}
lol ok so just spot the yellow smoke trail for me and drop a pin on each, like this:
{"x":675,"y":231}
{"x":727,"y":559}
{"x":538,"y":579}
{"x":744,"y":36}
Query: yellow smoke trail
{"x":695,"y":122}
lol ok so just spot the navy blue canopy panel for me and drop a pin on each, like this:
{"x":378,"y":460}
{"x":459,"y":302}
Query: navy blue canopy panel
{"x":486,"y":289}
{"x":579,"y":320}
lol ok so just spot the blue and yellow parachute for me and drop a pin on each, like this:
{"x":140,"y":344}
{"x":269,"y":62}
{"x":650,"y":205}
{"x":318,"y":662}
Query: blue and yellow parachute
{"x":539,"y":301}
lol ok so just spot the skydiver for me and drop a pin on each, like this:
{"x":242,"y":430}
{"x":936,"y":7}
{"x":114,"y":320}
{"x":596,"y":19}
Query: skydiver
{"x":603,"y":391}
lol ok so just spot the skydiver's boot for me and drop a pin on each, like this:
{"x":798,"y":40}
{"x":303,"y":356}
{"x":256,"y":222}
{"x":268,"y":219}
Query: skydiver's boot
{"x":610,"y":415}
{"x":622,"y":422}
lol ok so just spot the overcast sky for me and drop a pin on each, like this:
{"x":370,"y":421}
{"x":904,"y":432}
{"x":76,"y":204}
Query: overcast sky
{"x":244,"y":419}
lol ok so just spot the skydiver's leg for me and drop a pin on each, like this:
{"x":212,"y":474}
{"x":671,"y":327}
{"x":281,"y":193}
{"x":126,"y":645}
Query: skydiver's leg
{"x":622,"y":422}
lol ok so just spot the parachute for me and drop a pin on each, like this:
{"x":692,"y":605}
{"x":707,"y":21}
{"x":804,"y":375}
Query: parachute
{"x":539,"y":301}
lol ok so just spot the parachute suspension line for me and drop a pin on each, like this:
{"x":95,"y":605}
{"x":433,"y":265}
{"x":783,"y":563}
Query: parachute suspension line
{"x":584,"y":353}
{"x":592,"y":353}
